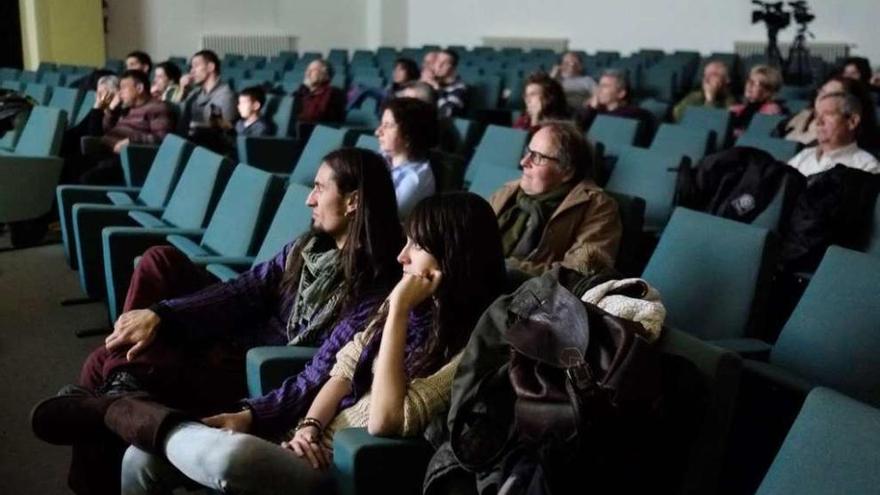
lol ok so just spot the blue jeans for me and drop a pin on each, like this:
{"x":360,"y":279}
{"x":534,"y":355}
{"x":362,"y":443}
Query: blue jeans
{"x":222,"y":460}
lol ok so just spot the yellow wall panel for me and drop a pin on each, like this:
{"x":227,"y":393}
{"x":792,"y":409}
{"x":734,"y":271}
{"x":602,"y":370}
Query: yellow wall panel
{"x":63,"y":31}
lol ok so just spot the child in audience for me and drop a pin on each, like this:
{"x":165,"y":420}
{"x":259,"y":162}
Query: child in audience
{"x":392,"y":378}
{"x":250,"y":108}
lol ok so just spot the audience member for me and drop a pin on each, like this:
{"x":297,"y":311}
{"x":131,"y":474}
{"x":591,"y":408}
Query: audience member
{"x":166,"y":83}
{"x":429,"y":61}
{"x":544,"y":99}
{"x":451,"y":90}
{"x":138,"y":60}
{"x":578,"y":86}
{"x":857,"y":68}
{"x":250,"y":108}
{"x":140,"y":120}
{"x":405,"y":72}
{"x":407,"y":131}
{"x":394,"y":377}
{"x":555,"y":213}
{"x":802,"y":126}
{"x":613,"y":97}
{"x":316,"y":100}
{"x":761,"y":88}
{"x":209,"y":110}
{"x":715,"y":91}
{"x":419,"y":90}
{"x":106,"y":100}
{"x":183,"y":336}
{"x":838,"y":117}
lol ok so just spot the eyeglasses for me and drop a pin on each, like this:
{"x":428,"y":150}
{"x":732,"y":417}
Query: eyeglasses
{"x":537,"y":158}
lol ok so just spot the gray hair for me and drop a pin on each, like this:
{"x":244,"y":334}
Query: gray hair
{"x":574,"y":151}
{"x":419,"y":90}
{"x":849,"y":103}
{"x":622,"y":80}
{"x":109,"y":80}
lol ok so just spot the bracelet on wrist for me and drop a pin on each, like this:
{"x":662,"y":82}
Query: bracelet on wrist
{"x":306,"y":422}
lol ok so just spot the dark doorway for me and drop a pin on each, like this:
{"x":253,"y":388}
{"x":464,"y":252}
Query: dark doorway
{"x":10,"y":35}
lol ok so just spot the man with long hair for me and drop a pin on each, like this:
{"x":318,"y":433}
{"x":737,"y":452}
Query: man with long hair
{"x":182,"y":339}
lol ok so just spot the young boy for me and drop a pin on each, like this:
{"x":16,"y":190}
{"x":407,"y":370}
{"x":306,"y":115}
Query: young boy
{"x":250,"y":106}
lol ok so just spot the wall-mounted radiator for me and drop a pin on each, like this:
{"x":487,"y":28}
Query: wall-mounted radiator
{"x":555,"y":44}
{"x":827,"y":51}
{"x":268,"y":45}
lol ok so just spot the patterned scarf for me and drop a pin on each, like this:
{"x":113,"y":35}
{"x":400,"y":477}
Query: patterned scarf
{"x":317,"y":296}
{"x":523,"y":223}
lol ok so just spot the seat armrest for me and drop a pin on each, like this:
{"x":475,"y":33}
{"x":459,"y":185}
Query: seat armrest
{"x":222,"y":272}
{"x":778,"y":376}
{"x":363,"y":463}
{"x":239,"y":262}
{"x":747,"y":348}
{"x":267,"y":367}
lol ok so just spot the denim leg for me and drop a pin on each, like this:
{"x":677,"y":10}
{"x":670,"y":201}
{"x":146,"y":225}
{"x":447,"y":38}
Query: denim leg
{"x":144,"y":473}
{"x":229,"y":462}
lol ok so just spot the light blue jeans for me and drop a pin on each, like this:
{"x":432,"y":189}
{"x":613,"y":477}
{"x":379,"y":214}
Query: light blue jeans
{"x":222,"y":460}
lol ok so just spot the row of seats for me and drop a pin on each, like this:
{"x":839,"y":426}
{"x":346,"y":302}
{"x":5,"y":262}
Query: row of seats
{"x":829,"y":341}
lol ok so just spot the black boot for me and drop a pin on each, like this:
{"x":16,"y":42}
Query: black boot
{"x":75,"y":415}
{"x":142,"y":422}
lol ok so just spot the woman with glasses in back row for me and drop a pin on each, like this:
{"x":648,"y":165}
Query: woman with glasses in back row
{"x":555,"y":213}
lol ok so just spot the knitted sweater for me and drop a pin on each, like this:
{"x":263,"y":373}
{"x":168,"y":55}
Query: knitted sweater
{"x":425,"y":397}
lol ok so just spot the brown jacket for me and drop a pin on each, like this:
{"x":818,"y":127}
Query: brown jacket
{"x":586,"y":224}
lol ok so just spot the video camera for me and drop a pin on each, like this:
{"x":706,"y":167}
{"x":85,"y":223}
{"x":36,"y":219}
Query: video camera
{"x":772,"y":14}
{"x":801,"y":12}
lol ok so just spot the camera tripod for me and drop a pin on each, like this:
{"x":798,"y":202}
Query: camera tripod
{"x":797,"y":68}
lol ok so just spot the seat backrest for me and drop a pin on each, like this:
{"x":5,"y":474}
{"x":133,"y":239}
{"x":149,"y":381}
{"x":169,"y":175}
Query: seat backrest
{"x":65,"y":99}
{"x":691,"y":142}
{"x":873,"y":246}
{"x":42,"y":133}
{"x":39,"y":92}
{"x":500,"y":146}
{"x":367,"y":142}
{"x":203,"y":178}
{"x":322,"y":141}
{"x":659,"y":109}
{"x":165,"y":170}
{"x":701,"y":382}
{"x":85,"y":106}
{"x":763,"y":124}
{"x":832,"y":337}
{"x":28,"y":76}
{"x":12,"y":85}
{"x":832,"y":447}
{"x":483,"y":92}
{"x":713,"y":119}
{"x":781,"y":149}
{"x":463,"y":136}
{"x":282,"y":116}
{"x":53,"y":78}
{"x":613,"y":132}
{"x":650,"y":175}
{"x":292,"y":218}
{"x":241,"y":213}
{"x":489,"y":178}
{"x":361,"y":118}
{"x":710,"y":271}
{"x":632,"y":220}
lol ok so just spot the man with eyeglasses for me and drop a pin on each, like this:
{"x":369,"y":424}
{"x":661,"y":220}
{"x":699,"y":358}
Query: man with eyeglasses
{"x":555,"y":213}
